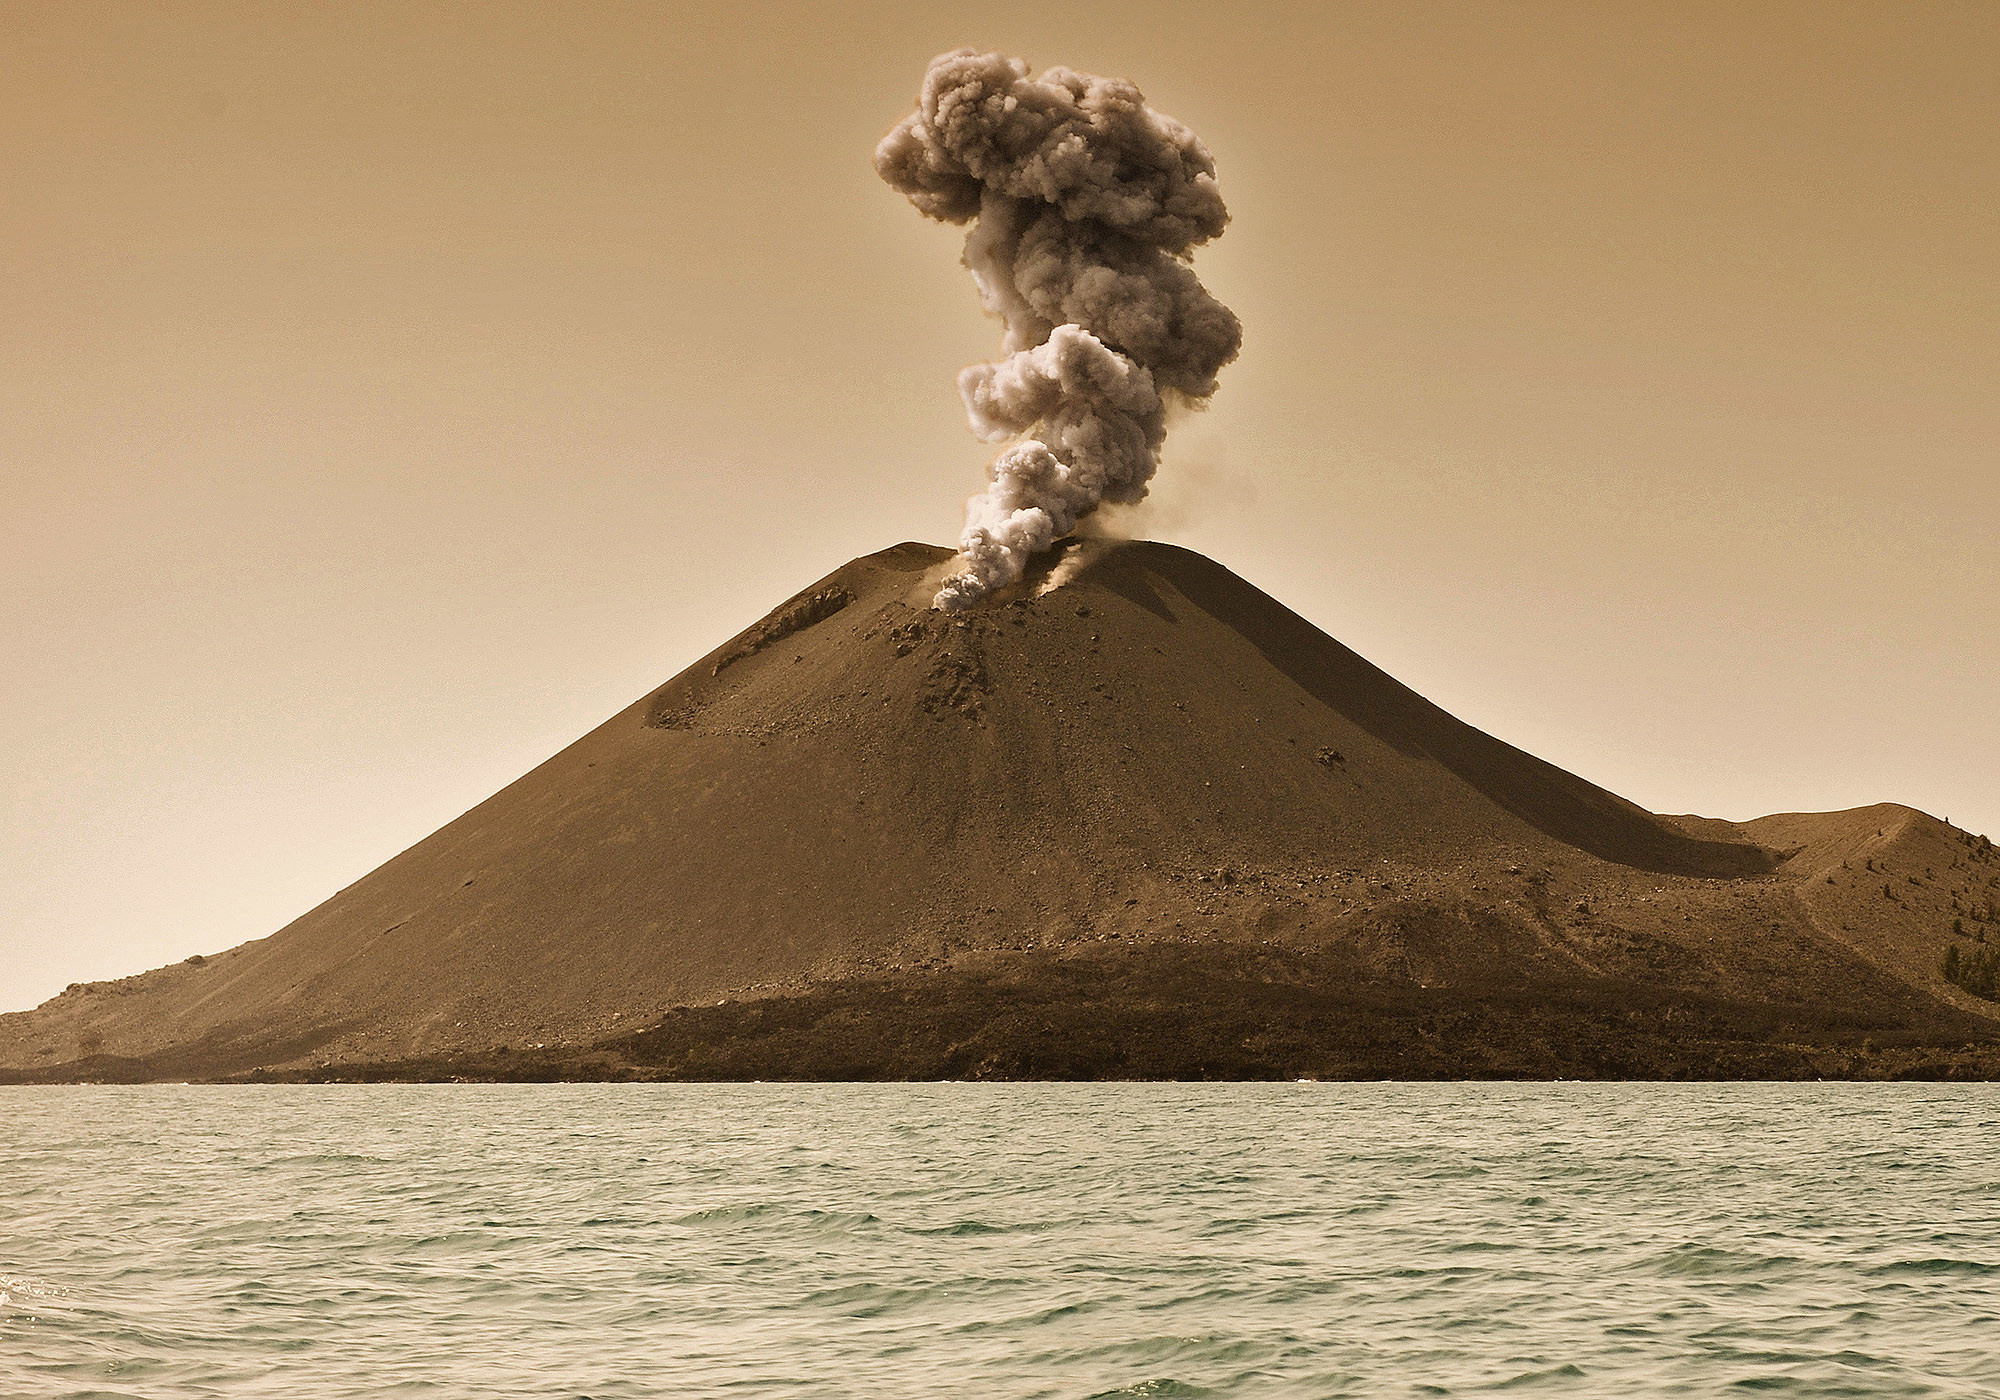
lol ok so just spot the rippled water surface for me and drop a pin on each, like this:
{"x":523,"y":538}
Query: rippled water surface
{"x":1000,"y":1240}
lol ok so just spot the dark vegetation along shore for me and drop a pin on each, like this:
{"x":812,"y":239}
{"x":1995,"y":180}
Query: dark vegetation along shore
{"x":1145,"y":824}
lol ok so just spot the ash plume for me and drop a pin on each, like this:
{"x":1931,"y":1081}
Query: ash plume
{"x":1085,"y":206}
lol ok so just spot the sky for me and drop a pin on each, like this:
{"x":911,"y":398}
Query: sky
{"x":389,"y":393}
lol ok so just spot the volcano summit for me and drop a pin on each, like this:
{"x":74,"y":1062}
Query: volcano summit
{"x":1129,"y":817}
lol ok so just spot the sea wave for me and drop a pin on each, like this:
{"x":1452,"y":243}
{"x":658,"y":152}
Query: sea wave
{"x":1045,"y":1242}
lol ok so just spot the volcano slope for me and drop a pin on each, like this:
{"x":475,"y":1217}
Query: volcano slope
{"x":1146,"y":823}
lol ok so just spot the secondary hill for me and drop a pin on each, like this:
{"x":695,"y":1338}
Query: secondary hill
{"x":1136,"y":818}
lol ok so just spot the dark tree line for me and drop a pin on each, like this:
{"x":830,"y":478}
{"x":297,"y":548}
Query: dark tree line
{"x":1977,"y":970}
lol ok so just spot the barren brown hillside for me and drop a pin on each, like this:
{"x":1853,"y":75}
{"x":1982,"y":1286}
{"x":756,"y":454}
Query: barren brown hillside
{"x":1145,"y":822}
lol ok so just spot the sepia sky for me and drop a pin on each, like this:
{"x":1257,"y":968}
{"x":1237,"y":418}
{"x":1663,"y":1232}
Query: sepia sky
{"x":391,"y":392}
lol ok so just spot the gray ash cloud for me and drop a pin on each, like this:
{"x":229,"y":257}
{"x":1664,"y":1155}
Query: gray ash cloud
{"x":1085,"y":206}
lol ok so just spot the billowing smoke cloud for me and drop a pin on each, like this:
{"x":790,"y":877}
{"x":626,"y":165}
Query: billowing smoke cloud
{"x":1085,"y":205}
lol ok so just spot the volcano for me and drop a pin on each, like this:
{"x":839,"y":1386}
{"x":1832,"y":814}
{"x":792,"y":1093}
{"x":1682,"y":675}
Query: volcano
{"x":1131,"y":818}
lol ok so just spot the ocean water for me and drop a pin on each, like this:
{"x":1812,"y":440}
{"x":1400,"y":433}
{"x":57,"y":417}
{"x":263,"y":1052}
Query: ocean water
{"x":947,"y":1240}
